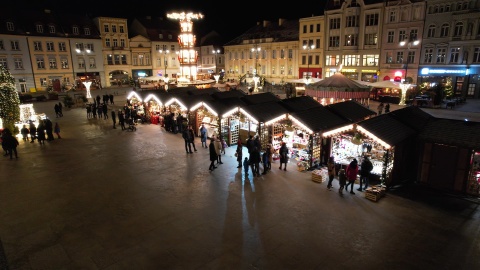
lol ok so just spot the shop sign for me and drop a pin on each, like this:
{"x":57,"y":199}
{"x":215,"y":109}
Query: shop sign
{"x":427,"y":71}
{"x":349,"y":70}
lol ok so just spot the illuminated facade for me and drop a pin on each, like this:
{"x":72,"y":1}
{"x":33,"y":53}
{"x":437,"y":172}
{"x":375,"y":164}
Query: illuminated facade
{"x":187,"y":55}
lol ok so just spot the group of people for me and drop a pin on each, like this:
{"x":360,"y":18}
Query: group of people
{"x":350,"y":174}
{"x":42,"y":132}
{"x":9,"y":143}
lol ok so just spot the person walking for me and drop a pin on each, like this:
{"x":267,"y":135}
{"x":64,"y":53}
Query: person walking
{"x":33,"y":132}
{"x":365,"y":168}
{"x":218,"y":149}
{"x":283,"y":156}
{"x":255,"y":161}
{"x":351,"y":172}
{"x":270,"y":156}
{"x":387,"y":108}
{"x":121,"y":119}
{"x":246,"y":166}
{"x":48,"y":129}
{"x":114,"y":119}
{"x":105,"y":110}
{"x":203,"y":136}
{"x":265,"y":162}
{"x":191,"y":137}
{"x":250,"y":144}
{"x":60,"y":109}
{"x":24,"y":131}
{"x":11,"y":144}
{"x":380,"y":108}
{"x":331,"y":172}
{"x":213,"y":155}
{"x":57,"y":130}
{"x":224,"y":145}
{"x":342,"y":179}
{"x":41,"y":132}
{"x":239,"y":153}
{"x":57,"y":110}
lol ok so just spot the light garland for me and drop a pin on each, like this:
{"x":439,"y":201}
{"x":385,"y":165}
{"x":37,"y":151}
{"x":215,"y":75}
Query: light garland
{"x":300,"y":124}
{"x":9,"y":100}
{"x":375,"y":138}
{"x":281,"y":117}
{"x":337,"y":131}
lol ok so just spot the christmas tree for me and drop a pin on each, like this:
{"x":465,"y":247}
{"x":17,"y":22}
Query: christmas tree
{"x":9,"y":100}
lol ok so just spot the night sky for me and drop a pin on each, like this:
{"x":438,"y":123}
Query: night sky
{"x":229,"y":19}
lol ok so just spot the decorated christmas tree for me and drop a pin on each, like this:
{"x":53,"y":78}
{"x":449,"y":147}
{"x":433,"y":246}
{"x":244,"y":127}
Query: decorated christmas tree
{"x":9,"y":100}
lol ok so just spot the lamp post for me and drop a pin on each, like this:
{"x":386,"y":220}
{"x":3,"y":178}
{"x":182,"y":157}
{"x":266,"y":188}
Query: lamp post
{"x":215,"y":52}
{"x":256,"y":49}
{"x":308,"y":48}
{"x":87,"y":83}
{"x":165,"y":60}
{"x":412,"y":41}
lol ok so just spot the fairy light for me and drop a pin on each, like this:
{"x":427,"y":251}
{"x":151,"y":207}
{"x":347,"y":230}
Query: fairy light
{"x":249,"y":116}
{"x":232,"y":111}
{"x":183,"y":107}
{"x":212,"y":111}
{"x":375,"y":138}
{"x":152,"y":96}
{"x":337,"y":131}
{"x":281,"y":117}
{"x":133,"y":94}
{"x":301,"y":125}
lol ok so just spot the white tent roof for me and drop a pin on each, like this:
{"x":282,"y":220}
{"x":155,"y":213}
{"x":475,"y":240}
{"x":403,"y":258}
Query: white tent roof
{"x":385,"y":84}
{"x":152,"y":78}
{"x":302,"y":80}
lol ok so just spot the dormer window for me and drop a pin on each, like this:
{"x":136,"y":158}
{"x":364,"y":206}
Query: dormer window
{"x":86,"y":30}
{"x":10,"y":26}
{"x":170,"y":37}
{"x":160,"y":36}
{"x":75,"y":30}
{"x":51,"y":29}
{"x":39,"y":28}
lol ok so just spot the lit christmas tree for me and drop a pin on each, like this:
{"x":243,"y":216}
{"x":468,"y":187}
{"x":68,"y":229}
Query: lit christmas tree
{"x":9,"y":100}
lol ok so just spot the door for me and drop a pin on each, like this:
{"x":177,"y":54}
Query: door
{"x":442,"y":166}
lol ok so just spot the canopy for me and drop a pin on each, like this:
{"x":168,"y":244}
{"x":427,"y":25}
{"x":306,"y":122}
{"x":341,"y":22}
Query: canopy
{"x":339,"y":87}
{"x":151,"y":78}
{"x":385,"y":84}
{"x":337,"y":81}
{"x":302,"y":80}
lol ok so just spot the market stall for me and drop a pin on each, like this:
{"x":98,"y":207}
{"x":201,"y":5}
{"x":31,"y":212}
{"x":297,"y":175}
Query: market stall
{"x":337,"y":88}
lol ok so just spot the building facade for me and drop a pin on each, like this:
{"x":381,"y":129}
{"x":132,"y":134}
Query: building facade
{"x":311,"y":47}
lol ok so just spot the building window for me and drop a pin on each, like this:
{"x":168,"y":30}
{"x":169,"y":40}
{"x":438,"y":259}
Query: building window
{"x":170,"y":36}
{"x":402,"y":35}
{"x":351,"y":40}
{"x":319,"y":29}
{"x":471,"y":89}
{"x":441,"y":55}
{"x":317,"y":43}
{"x":371,"y":60}
{"x":10,"y":26}
{"x":476,"y":55}
{"x":52,"y":63}
{"x":305,"y":29}
{"x":62,"y":47}
{"x":399,"y":59}
{"x":428,"y":56}
{"x":51,"y":29}
{"x":334,"y":41}
{"x":458,"y":29}
{"x":40,"y":62}
{"x":91,"y":62}
{"x":3,"y":62}
{"x":317,"y":60}
{"x":115,"y":42}
{"x":50,"y":47}
{"x":122,"y":43}
{"x":43,"y":82}
{"x":282,"y":53}
{"x":105,"y":28}
{"x":109,"y":59}
{"x":311,"y":28}
{"x":75,"y":30}
{"x":370,"y":39}
{"x":351,"y":21}
{"x":431,"y":31}
{"x":411,"y":57}
{"x":414,"y":34}
{"x":121,"y":28}
{"x":393,"y":16}
{"x":351,"y":60}
{"x":332,"y":60}
{"x":282,"y":69}
{"x":107,"y":42}
{"x":117,"y":59}
{"x":274,"y":54}
{"x":18,"y":63}
{"x":124,"y":59}
{"x":15,"y":45}
{"x":371,"y":19}
{"x":39,"y":28}
{"x":389,"y":58}
{"x":37,"y":46}
{"x":89,"y":46}
{"x":454,"y":53}
{"x":444,"y":30}
{"x":335,"y":23}
{"x":64,"y":63}
{"x":304,"y":59}
{"x":390,"y":36}
{"x":2,"y":47}
{"x":114,"y":28}
{"x":86,"y":30}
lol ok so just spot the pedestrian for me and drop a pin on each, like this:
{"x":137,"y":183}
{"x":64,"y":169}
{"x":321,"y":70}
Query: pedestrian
{"x":41,"y":132}
{"x":380,"y":108}
{"x":239,"y":154}
{"x":114,"y":119}
{"x":57,"y":130}
{"x":250,"y":143}
{"x":224,"y":145}
{"x":48,"y":129}
{"x":121,"y":119}
{"x":270,"y":156}
{"x":191,"y":137}
{"x":246,"y":166}
{"x":5,"y":134}
{"x":111,"y":99}
{"x":351,"y":172}
{"x":218,"y":149}
{"x":203,"y":135}
{"x":331,"y":172}
{"x":265,"y":162}
{"x":342,"y":179}
{"x":255,"y":159}
{"x":213,"y":155}
{"x":57,"y":110}
{"x":387,"y":108}
{"x":105,"y":111}
{"x":283,"y":151}
{"x":365,"y":168}
{"x":11,"y":144}
{"x":60,"y":109}
{"x":33,"y":132}
{"x":24,"y":131}
{"x":89,"y":111}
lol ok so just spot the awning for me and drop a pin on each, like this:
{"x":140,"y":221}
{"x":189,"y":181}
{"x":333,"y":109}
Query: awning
{"x":336,"y":94}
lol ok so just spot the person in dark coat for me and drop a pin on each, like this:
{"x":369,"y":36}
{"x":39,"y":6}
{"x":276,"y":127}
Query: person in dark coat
{"x":41,"y":132}
{"x":60,"y":109}
{"x":351,"y":172}
{"x":255,"y":161}
{"x":283,"y":151}
{"x":105,"y":111}
{"x":114,"y":119}
{"x":239,"y":153}
{"x":111,"y":99}
{"x":33,"y":132}
{"x":10,"y":143}
{"x":121,"y":119}
{"x":213,"y":155}
{"x":49,"y":129}
{"x":250,"y":144}
{"x":365,"y":168}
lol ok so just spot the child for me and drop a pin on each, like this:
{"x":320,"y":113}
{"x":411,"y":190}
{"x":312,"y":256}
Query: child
{"x":246,"y":165}
{"x":342,"y":178}
{"x":265,"y":162}
{"x":224,"y":145}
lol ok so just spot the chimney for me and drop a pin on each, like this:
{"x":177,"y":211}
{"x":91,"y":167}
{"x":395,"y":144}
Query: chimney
{"x":280,"y":21}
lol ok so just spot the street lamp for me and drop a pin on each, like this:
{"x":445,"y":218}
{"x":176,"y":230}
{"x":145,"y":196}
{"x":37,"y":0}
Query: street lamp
{"x":165,"y":60}
{"x":412,"y":40}
{"x":256,"y":49}
{"x":215,"y":52}
{"x":308,"y":48}
{"x":86,"y":82}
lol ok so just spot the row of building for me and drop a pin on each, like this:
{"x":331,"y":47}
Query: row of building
{"x":368,"y":40}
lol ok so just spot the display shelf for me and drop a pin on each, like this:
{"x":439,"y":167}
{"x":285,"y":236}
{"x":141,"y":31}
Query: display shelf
{"x":319,"y":175}
{"x":374,"y":193}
